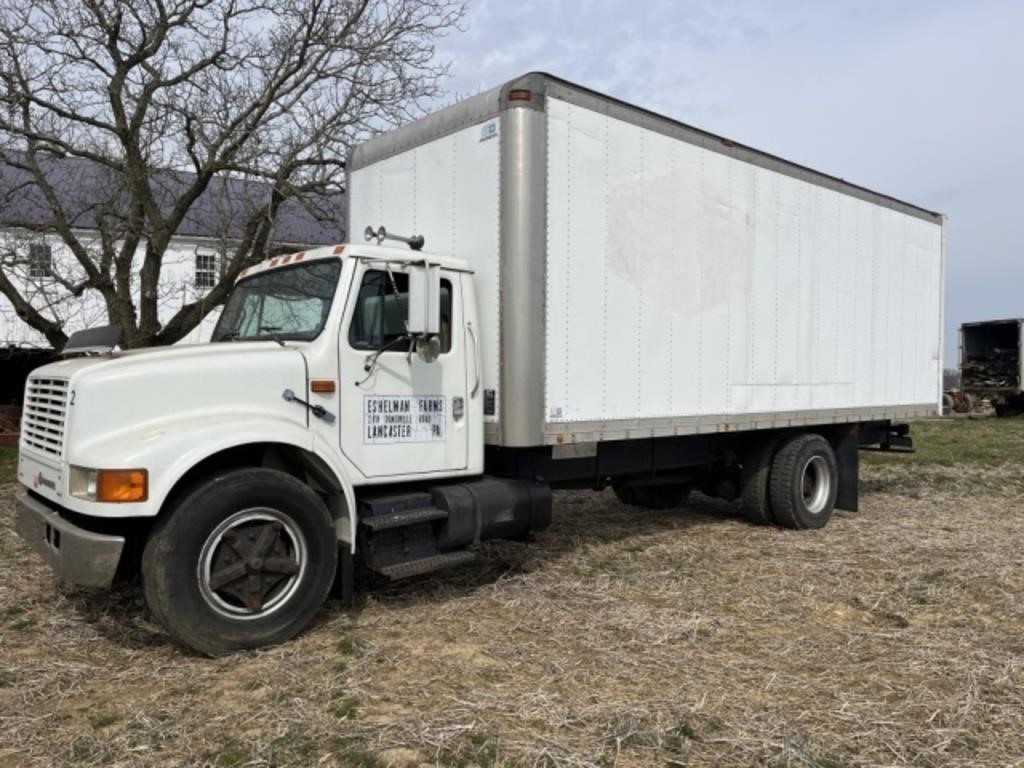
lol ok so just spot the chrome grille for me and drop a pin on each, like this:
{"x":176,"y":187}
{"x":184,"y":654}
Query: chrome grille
{"x":43,"y":415}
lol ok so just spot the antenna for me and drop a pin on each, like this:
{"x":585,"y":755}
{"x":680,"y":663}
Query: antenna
{"x":416,"y":242}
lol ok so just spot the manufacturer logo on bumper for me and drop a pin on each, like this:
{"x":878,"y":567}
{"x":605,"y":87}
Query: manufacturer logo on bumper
{"x":42,"y":480}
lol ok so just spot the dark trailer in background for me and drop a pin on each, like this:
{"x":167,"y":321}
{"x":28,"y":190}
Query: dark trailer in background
{"x":991,"y":363}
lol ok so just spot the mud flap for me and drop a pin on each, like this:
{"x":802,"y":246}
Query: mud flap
{"x":848,"y":463}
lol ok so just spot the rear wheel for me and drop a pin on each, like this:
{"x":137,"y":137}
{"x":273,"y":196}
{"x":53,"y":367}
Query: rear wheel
{"x":653,"y":496}
{"x":245,"y":560}
{"x":803,"y":482}
{"x":755,"y":504}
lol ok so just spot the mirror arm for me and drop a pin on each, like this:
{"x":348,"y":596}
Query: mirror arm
{"x":371,"y":360}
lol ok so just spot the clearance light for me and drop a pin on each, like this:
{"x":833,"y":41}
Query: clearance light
{"x":520,"y":94}
{"x":322,"y":386}
{"x":115,"y":486}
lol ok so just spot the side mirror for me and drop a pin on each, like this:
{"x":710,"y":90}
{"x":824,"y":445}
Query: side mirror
{"x":424,"y":300}
{"x":428,"y":348}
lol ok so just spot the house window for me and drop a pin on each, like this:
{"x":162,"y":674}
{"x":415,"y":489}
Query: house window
{"x":206,"y":270}
{"x":40,"y":260}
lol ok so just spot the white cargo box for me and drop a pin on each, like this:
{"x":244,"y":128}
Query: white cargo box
{"x":638,"y":277}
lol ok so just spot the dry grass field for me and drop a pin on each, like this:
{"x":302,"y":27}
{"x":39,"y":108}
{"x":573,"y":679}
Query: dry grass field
{"x":620,"y":638}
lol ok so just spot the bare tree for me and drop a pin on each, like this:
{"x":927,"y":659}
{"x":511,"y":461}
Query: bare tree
{"x":230,"y":91}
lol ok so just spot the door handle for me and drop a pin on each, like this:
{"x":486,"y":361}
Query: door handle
{"x":476,"y":359}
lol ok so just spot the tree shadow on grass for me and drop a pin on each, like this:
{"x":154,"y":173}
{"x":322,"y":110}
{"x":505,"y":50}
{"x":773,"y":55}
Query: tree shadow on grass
{"x":581,"y":519}
{"x":119,"y":614}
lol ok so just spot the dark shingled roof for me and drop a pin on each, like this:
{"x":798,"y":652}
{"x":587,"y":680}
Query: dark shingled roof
{"x":221,"y":211}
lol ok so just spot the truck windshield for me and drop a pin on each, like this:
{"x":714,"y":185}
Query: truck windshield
{"x":289,"y":303}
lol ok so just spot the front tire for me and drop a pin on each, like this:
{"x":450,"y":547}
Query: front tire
{"x":243,"y":561}
{"x":803,"y":482}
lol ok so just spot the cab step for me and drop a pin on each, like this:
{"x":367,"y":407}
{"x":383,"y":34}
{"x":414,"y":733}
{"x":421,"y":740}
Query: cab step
{"x":427,"y":564}
{"x":404,"y":517}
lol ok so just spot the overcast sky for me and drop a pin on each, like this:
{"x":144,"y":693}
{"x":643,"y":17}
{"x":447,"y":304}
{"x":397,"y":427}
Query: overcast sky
{"x":923,"y":100}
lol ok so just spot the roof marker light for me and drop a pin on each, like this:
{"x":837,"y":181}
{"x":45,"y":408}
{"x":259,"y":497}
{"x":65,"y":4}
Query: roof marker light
{"x":520,"y":94}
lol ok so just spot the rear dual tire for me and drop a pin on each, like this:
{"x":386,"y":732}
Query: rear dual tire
{"x":792,"y":483}
{"x":754,"y":499}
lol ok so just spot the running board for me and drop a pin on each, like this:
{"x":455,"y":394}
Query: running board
{"x":427,"y":564}
{"x":405,"y":517}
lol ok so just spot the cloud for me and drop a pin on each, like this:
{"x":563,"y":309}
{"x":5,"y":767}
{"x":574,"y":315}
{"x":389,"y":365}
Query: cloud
{"x":920,"y":99}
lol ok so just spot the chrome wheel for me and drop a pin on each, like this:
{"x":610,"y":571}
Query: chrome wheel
{"x":252,"y":563}
{"x":816,"y":484}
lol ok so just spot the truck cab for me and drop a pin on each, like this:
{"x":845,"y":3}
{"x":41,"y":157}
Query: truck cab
{"x":340,"y":383}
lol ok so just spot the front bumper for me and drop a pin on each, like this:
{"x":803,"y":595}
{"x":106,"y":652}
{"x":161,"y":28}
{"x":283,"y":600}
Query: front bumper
{"x":75,"y":554}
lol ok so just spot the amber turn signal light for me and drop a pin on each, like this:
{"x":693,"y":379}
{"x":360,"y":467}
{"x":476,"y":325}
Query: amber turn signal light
{"x":322,"y":386}
{"x":122,"y":485}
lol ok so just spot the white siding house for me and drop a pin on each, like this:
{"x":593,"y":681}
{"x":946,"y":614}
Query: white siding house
{"x":42,"y":267}
{"x":190,"y":267}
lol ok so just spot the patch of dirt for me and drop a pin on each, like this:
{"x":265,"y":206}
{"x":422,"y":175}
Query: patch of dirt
{"x":620,"y":637}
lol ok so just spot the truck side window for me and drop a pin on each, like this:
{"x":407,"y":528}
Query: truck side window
{"x":379,"y":315}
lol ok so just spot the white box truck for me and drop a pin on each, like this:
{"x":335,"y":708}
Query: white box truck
{"x":586,"y":295}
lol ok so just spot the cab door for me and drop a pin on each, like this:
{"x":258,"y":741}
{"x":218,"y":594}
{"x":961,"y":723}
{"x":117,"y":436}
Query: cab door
{"x":401,"y":415}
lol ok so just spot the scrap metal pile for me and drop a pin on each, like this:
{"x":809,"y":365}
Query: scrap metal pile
{"x":998,"y":370}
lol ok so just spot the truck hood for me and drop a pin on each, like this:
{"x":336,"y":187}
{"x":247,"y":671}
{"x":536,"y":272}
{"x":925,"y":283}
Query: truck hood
{"x":150,"y":390}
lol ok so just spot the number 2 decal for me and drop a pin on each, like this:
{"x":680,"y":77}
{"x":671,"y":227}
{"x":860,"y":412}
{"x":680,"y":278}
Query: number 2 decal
{"x":72,"y":397}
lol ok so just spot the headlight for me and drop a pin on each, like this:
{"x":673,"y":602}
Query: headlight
{"x":110,"y":485}
{"x":82,"y":483}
